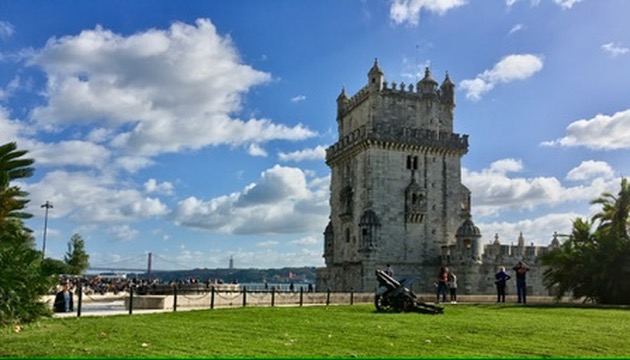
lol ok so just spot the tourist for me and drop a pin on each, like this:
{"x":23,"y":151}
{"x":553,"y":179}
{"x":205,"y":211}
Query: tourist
{"x":63,"y":299}
{"x":521,"y":286}
{"x":441,"y":284}
{"x":389,"y":270}
{"x":501,"y":279}
{"x":452,"y":287}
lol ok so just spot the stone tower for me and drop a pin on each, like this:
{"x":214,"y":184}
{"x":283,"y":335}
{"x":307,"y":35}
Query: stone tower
{"x":396,"y":192}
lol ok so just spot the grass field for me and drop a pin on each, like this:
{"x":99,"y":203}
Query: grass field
{"x":336,"y":331}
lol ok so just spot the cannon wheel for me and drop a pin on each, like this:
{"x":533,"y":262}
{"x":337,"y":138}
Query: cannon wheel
{"x":381,"y":304}
{"x":405,"y":304}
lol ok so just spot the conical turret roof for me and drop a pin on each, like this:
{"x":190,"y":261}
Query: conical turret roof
{"x":468,"y":230}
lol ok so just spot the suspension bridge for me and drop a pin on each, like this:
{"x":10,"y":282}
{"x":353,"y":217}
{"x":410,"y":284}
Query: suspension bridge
{"x":135,"y":264}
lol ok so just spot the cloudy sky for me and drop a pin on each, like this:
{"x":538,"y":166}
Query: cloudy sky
{"x":197,"y":130}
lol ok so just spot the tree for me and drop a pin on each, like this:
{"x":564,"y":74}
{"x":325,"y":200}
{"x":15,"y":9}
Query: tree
{"x":54,"y":267}
{"x":12,"y":167}
{"x":615,"y":210}
{"x":595,"y":262}
{"x":22,"y":281}
{"x":76,"y":258}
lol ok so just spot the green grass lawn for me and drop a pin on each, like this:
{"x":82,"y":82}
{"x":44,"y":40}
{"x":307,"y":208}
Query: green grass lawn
{"x":336,"y":331}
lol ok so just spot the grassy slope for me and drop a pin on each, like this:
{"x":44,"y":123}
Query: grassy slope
{"x":343,"y":331}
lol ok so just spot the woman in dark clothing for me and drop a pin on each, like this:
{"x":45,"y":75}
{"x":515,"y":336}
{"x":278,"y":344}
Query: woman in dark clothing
{"x":63,"y":299}
{"x":441,"y":284}
{"x":501,"y":279}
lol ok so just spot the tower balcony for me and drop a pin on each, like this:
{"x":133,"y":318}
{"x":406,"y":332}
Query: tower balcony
{"x":404,"y":137}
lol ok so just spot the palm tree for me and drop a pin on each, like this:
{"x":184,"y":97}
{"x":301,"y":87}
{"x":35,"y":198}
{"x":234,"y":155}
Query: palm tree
{"x":13,"y":166}
{"x":22,"y":281}
{"x":615,"y":210}
{"x":595,"y":264}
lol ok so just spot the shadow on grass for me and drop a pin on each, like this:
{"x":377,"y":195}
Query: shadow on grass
{"x":503,"y":306}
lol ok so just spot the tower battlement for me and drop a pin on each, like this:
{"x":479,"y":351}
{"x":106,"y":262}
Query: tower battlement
{"x":394,"y":89}
{"x":393,"y":108}
{"x":403,"y":138}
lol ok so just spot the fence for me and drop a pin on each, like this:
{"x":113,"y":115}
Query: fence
{"x":186,"y":298}
{"x":182,"y":298}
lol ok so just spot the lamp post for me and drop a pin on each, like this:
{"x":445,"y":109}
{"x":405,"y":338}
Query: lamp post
{"x":47,"y":205}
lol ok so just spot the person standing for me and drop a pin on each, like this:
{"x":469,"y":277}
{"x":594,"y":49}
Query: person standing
{"x":452,"y":287}
{"x":389,"y":270}
{"x":521,"y":286}
{"x":441,"y":284}
{"x":63,"y":299}
{"x":501,"y":279}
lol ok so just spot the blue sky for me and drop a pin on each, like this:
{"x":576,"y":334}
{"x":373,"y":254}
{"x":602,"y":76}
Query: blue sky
{"x":196,"y":130}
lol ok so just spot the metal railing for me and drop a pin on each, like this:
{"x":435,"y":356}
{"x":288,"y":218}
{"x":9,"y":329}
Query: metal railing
{"x":181,"y":298}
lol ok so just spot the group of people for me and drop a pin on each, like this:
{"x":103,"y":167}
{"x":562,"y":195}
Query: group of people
{"x":502,"y":277}
{"x":447,"y":282}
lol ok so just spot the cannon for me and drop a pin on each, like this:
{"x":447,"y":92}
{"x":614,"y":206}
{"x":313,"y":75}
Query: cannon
{"x":392,"y":295}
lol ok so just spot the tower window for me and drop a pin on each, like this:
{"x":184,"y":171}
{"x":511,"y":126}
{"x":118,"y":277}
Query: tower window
{"x":412,"y":162}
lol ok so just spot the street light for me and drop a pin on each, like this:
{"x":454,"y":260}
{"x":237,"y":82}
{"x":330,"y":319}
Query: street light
{"x":47,"y":205}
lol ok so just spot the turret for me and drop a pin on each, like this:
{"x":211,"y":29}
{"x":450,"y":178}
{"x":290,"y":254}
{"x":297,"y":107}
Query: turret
{"x":521,"y":240}
{"x":469,"y":239}
{"x":427,"y":86}
{"x":555,"y":243}
{"x":447,"y":91}
{"x":376,"y":77}
{"x":342,"y":101}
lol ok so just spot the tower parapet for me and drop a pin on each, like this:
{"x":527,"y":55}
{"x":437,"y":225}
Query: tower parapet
{"x":406,"y":138}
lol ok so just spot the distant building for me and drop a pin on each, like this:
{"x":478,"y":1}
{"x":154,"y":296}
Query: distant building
{"x":231,"y":265}
{"x":397,"y":197}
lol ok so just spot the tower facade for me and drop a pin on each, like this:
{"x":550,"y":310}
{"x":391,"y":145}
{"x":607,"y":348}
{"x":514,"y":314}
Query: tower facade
{"x":396,"y":194}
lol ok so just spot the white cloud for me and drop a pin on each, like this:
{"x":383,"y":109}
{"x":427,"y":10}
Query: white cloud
{"x":93,"y":198}
{"x":317,"y":153}
{"x":615,"y":50}
{"x":151,"y":186}
{"x":603,"y":132}
{"x":306,"y":241}
{"x":256,"y":150}
{"x":69,"y":153}
{"x":538,"y":230}
{"x":267,"y":244}
{"x":298,"y":98}
{"x":282,"y":201}
{"x":590,"y":169}
{"x":495,"y":190}
{"x":565,"y":4}
{"x":122,"y":232}
{"x":510,"y":68}
{"x":505,"y":166}
{"x":13,"y":85}
{"x":515,"y":28}
{"x":408,"y":11}
{"x":6,"y":30}
{"x":157,"y":91}
{"x":10,"y":129}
